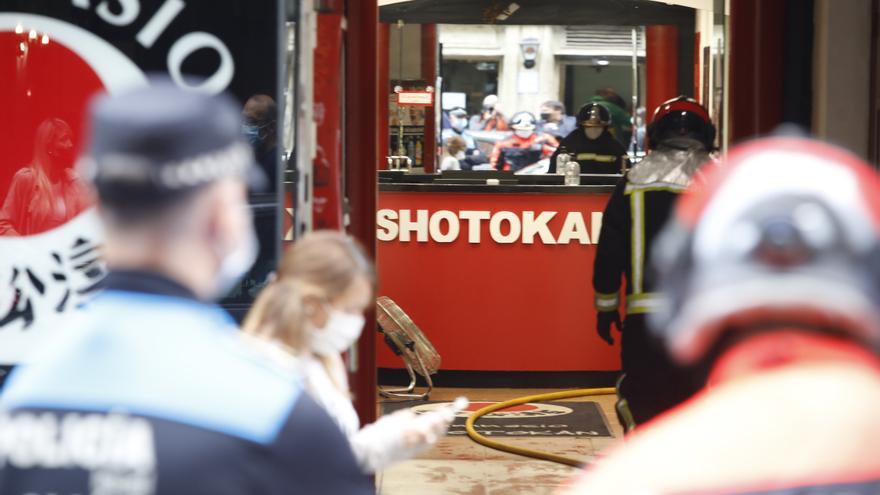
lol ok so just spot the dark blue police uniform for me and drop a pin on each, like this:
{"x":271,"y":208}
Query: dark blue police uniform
{"x":150,"y":391}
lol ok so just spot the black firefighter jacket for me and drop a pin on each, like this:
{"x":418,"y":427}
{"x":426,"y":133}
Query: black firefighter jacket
{"x":638,"y":209}
{"x":604,"y":155}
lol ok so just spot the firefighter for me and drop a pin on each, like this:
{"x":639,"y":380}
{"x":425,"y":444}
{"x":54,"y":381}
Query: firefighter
{"x":526,"y":146}
{"x":591,"y":144}
{"x":151,"y":389}
{"x":681,"y":135}
{"x":771,"y":283}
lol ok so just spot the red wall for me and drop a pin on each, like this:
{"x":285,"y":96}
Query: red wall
{"x":756,"y":67}
{"x":490,"y":306}
{"x":661,"y":65}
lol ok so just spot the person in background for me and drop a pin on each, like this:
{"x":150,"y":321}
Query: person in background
{"x":152,"y":389}
{"x":525,"y":147}
{"x":315,"y":311}
{"x":554,"y":121}
{"x":592,"y":145}
{"x":640,"y":131}
{"x":681,"y":136}
{"x":259,"y":125}
{"x":621,"y":120}
{"x":490,"y":118}
{"x":458,"y":129}
{"x":772,"y":294}
{"x":453,"y":153}
{"x":458,"y":124}
{"x":47,"y":193}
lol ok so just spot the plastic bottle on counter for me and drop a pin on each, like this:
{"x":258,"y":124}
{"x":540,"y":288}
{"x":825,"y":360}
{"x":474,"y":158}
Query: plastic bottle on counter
{"x":572,"y":173}
{"x":562,"y":160}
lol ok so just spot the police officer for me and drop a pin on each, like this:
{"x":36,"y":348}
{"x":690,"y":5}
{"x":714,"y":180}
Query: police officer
{"x":151,"y":390}
{"x":525,"y":147}
{"x":681,"y":135}
{"x":774,"y":290}
{"x":458,"y":124}
{"x":593,"y":146}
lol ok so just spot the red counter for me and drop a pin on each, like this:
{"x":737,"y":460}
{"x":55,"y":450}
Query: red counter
{"x":498,"y":277}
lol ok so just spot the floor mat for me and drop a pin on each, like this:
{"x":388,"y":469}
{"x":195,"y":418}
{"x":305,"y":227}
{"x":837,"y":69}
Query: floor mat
{"x":535,"y":419}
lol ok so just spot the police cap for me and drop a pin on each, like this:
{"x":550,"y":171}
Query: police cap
{"x":161,"y":141}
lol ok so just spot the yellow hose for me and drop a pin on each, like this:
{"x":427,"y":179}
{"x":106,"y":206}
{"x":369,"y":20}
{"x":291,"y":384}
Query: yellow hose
{"x":537,"y":454}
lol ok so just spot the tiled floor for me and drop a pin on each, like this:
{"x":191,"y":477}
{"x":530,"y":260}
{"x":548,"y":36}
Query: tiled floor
{"x":459,"y":466}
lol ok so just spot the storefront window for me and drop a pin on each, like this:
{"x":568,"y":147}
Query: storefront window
{"x":549,"y":60}
{"x":54,"y":58}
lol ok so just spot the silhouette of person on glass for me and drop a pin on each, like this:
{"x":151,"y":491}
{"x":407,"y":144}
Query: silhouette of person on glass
{"x":47,"y":193}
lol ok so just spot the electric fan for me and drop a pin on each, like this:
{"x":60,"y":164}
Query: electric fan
{"x":407,"y":341}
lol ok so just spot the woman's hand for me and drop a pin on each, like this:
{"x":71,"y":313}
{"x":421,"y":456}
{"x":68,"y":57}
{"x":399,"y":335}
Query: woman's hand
{"x":402,"y":435}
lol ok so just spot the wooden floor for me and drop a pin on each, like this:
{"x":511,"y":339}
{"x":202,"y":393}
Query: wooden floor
{"x":459,"y":466}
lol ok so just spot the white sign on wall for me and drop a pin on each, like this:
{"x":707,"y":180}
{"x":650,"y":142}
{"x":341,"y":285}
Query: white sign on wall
{"x":44,"y":278}
{"x":528,"y":82}
{"x":454,"y":100}
{"x":415,"y":98}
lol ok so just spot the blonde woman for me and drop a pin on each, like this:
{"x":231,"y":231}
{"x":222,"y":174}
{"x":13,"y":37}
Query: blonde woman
{"x":315,"y":311}
{"x":47,"y":193}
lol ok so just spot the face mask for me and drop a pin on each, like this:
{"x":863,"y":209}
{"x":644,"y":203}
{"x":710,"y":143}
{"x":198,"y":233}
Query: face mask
{"x":459,"y":125}
{"x":236,"y":264}
{"x":545,"y":117}
{"x":252,"y":134}
{"x":62,"y":157}
{"x":460,"y":155}
{"x":523,"y":133}
{"x":593,"y":132}
{"x":339,"y":333}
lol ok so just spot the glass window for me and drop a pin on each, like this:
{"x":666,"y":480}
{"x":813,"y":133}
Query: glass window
{"x":54,"y":57}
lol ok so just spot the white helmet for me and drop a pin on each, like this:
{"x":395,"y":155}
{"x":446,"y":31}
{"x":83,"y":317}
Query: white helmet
{"x":523,"y":121}
{"x":785,"y":232}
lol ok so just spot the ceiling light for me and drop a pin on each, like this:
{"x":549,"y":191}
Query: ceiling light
{"x":506,"y":13}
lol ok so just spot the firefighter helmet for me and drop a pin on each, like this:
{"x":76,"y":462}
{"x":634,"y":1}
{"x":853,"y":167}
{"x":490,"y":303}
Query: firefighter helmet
{"x":594,"y":115}
{"x":523,"y":121}
{"x":786,"y":233}
{"x":681,"y":117}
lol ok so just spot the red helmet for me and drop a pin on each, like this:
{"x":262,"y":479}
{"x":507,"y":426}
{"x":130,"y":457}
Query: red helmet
{"x":681,"y":117}
{"x":785,"y":232}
